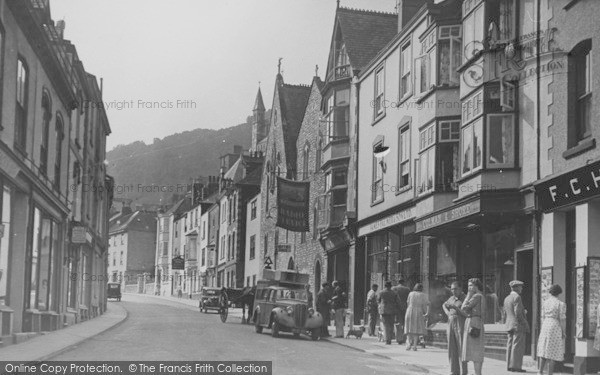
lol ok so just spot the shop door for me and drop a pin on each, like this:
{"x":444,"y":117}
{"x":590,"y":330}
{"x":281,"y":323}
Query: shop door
{"x":525,"y":274}
{"x":570,"y":286}
{"x":469,"y":257}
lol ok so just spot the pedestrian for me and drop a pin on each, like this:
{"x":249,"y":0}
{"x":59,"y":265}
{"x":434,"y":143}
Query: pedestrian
{"x":338,"y":303}
{"x":179,"y":292}
{"x":389,"y":303}
{"x":456,"y":326}
{"x":372,"y":308}
{"x":418,"y":306}
{"x":551,"y":343}
{"x":323,"y":308}
{"x":402,"y":291}
{"x":309,"y":295}
{"x":516,"y":326}
{"x":472,"y":342}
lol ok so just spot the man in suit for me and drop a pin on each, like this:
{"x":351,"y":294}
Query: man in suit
{"x":389,"y":304}
{"x":402,"y":291}
{"x":324,"y":308}
{"x":516,"y":326}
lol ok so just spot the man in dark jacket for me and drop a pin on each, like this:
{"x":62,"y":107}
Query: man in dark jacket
{"x":389,"y":304}
{"x":338,"y":303}
{"x":372,"y":309}
{"x":402,"y":292}
{"x":323,"y":307}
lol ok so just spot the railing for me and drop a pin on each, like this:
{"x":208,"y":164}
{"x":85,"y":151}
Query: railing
{"x":342,"y":71}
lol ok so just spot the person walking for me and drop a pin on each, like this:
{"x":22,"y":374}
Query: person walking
{"x":324,"y":308}
{"x":456,"y":325}
{"x":338,"y":303}
{"x":402,"y":291}
{"x":389,"y":303}
{"x":516,"y":326}
{"x":551,"y":343}
{"x":372,"y":309}
{"x":416,"y":311}
{"x":473,"y":308}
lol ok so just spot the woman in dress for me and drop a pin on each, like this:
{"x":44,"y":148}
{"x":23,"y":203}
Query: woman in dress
{"x":473,"y":308}
{"x":551,"y":343}
{"x":414,"y":321}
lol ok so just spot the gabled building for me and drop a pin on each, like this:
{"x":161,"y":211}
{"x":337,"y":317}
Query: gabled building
{"x":287,"y":112}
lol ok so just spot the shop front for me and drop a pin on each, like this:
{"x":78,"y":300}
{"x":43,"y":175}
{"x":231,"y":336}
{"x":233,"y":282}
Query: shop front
{"x":569,"y":255}
{"x":488,"y":236}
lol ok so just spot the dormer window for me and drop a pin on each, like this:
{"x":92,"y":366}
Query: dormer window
{"x":342,"y":64}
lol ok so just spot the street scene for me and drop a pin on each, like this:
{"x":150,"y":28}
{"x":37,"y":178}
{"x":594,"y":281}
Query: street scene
{"x":299,"y":187}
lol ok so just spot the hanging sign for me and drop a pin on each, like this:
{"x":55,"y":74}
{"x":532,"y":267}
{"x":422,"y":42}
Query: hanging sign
{"x":293,"y":205}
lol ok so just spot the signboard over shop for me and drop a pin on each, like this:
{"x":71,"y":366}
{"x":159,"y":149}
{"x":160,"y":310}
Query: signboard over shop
{"x":569,"y":188}
{"x":386,"y":222}
{"x":78,"y":235}
{"x":449,"y":215}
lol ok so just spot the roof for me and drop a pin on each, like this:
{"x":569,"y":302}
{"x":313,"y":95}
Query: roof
{"x":365,"y":33}
{"x":253,"y":178}
{"x":138,"y":221}
{"x":236,"y":172}
{"x":183,"y":208}
{"x":258,"y":103}
{"x":293,"y":99}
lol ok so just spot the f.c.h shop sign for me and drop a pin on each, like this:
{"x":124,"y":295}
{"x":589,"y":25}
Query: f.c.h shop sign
{"x":570,"y":188}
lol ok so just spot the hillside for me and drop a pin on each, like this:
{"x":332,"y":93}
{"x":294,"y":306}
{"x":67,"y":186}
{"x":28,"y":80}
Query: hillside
{"x":151,"y":174}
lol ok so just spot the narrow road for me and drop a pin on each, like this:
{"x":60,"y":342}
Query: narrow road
{"x":165,"y":330}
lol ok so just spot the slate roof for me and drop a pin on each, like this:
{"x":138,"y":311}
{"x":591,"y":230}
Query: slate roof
{"x":294,"y":99}
{"x":365,"y":33}
{"x":253,"y":178}
{"x":236,"y":172}
{"x":138,"y":221}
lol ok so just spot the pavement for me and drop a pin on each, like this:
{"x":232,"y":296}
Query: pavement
{"x":430,"y":360}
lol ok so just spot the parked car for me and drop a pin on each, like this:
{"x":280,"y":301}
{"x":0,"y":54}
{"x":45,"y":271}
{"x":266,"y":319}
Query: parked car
{"x":114,"y":291}
{"x":209,"y":299}
{"x":281,"y":304}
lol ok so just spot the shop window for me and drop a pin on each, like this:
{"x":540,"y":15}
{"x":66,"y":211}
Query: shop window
{"x":500,"y":140}
{"x":450,"y":54}
{"x":5,"y":224}
{"x":404,"y":157}
{"x":473,"y":29}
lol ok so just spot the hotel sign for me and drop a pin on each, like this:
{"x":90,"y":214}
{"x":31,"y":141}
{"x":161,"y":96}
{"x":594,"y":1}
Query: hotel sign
{"x":79,"y":235}
{"x":570,"y":188}
{"x":447,"y":216}
{"x":386,"y":222}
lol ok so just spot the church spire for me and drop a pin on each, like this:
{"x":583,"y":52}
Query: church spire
{"x":258,"y":103}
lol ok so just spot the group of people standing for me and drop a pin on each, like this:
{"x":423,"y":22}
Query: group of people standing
{"x":332,"y":297}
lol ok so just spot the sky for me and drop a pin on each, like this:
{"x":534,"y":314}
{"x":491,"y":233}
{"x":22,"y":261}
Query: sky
{"x":175,"y":65}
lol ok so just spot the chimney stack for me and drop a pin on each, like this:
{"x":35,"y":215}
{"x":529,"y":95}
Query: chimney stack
{"x":60,"y":28}
{"x":237,"y":149}
{"x":407,"y":10}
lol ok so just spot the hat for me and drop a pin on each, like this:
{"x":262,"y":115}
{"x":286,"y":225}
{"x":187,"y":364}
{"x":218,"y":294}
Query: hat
{"x":388,"y":284}
{"x":515,"y":283}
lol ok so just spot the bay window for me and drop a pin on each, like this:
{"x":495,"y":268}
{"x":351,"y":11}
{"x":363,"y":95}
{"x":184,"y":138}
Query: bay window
{"x":21,"y":105}
{"x":472,"y":146}
{"x":337,"y":116}
{"x":425,"y":66}
{"x":378,"y":103}
{"x":500,"y":140}
{"x":447,"y":170}
{"x":426,"y":159}
{"x":502,"y":18}
{"x":473,"y":29}
{"x":405,"y":70}
{"x":404,"y":157}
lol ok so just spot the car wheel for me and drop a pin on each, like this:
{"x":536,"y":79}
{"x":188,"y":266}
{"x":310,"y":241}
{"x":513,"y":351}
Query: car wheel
{"x":275,"y":329}
{"x":314,"y":334}
{"x":257,"y":327}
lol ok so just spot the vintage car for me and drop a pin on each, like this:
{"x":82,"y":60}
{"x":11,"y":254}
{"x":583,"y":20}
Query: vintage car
{"x":114,"y":291}
{"x":209,"y":299}
{"x":281,"y":304}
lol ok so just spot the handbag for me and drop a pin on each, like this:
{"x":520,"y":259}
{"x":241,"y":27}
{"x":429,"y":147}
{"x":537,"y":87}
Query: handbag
{"x":474,"y":332}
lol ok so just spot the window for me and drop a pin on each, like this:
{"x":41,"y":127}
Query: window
{"x":450,"y":47}
{"x":404,"y":157}
{"x":305,"y":159}
{"x":447,"y":172}
{"x":302,"y":237}
{"x":203,"y":260}
{"x":265,"y":244}
{"x":318,"y":155}
{"x":449,"y":131}
{"x":253,"y":210}
{"x":377,"y":185}
{"x":426,"y":159}
{"x":337,"y":116}
{"x":580,"y":64}
{"x":405,"y":69}
{"x":114,"y":259}
{"x":500,"y":140}
{"x":378,"y":103}
{"x":424,"y":72}
{"x":472,"y":146}
{"x":252,"y":247}
{"x":46,"y":115}
{"x":315,"y":223}
{"x":502,"y":20}
{"x":473,"y":33}
{"x":122,"y":239}
{"x":223,"y":211}
{"x":60,"y":136}
{"x":204,"y":230}
{"x":507,"y":96}
{"x":21,"y":105}
{"x":121,"y":259}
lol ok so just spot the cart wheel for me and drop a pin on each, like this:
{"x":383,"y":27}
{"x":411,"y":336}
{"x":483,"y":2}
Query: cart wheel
{"x":257,"y":327}
{"x":224,"y":312}
{"x":275,"y":329}
{"x":314,"y":334}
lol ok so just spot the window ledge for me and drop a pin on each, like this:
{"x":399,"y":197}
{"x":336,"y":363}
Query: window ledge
{"x":375,"y":203}
{"x":378,"y":118}
{"x":583,"y":146}
{"x":404,"y":189}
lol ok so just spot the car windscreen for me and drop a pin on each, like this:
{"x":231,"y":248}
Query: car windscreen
{"x":295,"y":294}
{"x":209,"y":292}
{"x":113,"y":286}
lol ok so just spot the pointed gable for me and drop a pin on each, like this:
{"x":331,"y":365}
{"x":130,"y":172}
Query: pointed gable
{"x":293,"y":104}
{"x":364,"y":34}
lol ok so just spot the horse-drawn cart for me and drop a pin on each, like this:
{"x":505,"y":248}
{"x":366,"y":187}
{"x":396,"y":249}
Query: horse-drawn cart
{"x":232,"y":297}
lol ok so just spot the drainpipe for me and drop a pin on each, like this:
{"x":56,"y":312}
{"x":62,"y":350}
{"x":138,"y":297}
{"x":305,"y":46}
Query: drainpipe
{"x":355,"y":185}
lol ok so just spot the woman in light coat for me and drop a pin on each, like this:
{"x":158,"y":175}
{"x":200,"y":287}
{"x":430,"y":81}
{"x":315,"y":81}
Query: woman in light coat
{"x":414,"y":322}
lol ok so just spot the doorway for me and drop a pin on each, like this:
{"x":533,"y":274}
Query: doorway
{"x":570,"y":284}
{"x":317,"y":278}
{"x":525,"y":274}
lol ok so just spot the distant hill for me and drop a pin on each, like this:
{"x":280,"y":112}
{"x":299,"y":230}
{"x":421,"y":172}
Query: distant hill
{"x":153,"y":173}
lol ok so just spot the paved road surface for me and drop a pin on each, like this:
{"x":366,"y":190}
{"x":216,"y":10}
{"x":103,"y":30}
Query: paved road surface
{"x":165,"y":330}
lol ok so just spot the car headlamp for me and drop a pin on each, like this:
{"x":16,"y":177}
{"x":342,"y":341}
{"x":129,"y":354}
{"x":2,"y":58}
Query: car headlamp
{"x":290,"y":310}
{"x":311,"y":311}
